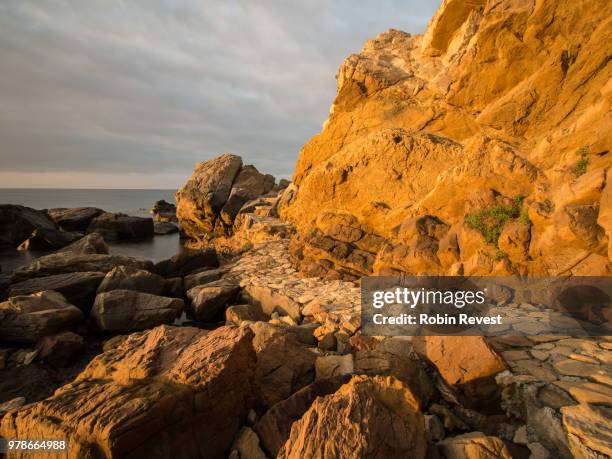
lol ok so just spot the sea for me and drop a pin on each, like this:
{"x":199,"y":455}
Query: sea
{"x":131,"y":202}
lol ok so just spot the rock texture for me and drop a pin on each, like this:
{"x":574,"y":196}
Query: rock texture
{"x":74,"y":219}
{"x":481,"y":147}
{"x":130,"y":278}
{"x":168,"y":392}
{"x":18,"y":222}
{"x":114,"y":227}
{"x":210,"y":200}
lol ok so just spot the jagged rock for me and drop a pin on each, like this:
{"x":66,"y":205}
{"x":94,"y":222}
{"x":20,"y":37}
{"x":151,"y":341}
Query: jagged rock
{"x":122,"y":311}
{"x":114,"y":227}
{"x":208,"y":300}
{"x":60,"y":350}
{"x":18,"y":222}
{"x":247,"y":445}
{"x":164,"y":211}
{"x":203,"y":277}
{"x":90,"y":243}
{"x":69,"y":262}
{"x":354,"y":423}
{"x":328,"y":366}
{"x":12,"y":404}
{"x":588,"y":430}
{"x":274,"y":426}
{"x":75,"y":219}
{"x":184,"y":263}
{"x":27,"y":318}
{"x":474,"y":445}
{"x":130,"y":278}
{"x":48,"y":239}
{"x":157,"y":393}
{"x":79,"y":288}
{"x":162,"y":228}
{"x":238,"y":313}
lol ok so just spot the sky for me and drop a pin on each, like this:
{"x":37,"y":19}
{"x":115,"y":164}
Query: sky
{"x":132,"y":93}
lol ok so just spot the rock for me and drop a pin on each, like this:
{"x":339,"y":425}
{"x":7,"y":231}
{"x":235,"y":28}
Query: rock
{"x":238,"y":313}
{"x":18,"y":222}
{"x":48,"y":239}
{"x":588,"y":430}
{"x":12,"y":404}
{"x":271,"y":300}
{"x":161,"y":228}
{"x":90,"y":243}
{"x":164,"y":211}
{"x":184,"y":263}
{"x":434,"y":429}
{"x":474,"y":445}
{"x":333,"y":365}
{"x":274,"y":426}
{"x":122,"y":311}
{"x":284,"y":366}
{"x":173,"y":287}
{"x":68,"y":262}
{"x":130,"y":278}
{"x":203,"y":277}
{"x":75,"y":219}
{"x":208,"y":300}
{"x":79,"y":288}
{"x":586,"y":392}
{"x":25,"y":319}
{"x":189,"y":388}
{"x":354,"y":423}
{"x":60,"y":350}
{"x":115,"y":227}
{"x":247,"y":445}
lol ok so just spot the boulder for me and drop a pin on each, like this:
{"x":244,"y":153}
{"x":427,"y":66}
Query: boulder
{"x":115,"y":227}
{"x":74,"y":219}
{"x":272,"y":300}
{"x":27,"y":318}
{"x":474,"y":445}
{"x":69,"y":262}
{"x":355,"y":421}
{"x":205,"y":276}
{"x":208,"y":300}
{"x":162,"y":228}
{"x":588,"y":430}
{"x":122,"y":311}
{"x":90,"y":243}
{"x":60,"y":350}
{"x":174,"y":287}
{"x":247,"y":446}
{"x":130,"y":278}
{"x":164,"y":211}
{"x":48,"y":239}
{"x":274,"y":426}
{"x":238,"y":313}
{"x":165,"y":392}
{"x":186,"y":262}
{"x":79,"y":288}
{"x":328,"y":366}
{"x":18,"y":222}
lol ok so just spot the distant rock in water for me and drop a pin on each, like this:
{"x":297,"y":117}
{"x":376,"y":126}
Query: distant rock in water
{"x":17,"y":223}
{"x":74,"y":219}
{"x":212,"y":197}
{"x":164,"y":211}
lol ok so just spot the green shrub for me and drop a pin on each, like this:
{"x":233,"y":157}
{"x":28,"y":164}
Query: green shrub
{"x":500,"y":255}
{"x":490,"y":221}
{"x":581,"y":166}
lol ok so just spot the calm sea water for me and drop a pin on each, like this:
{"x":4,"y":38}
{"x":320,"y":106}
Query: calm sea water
{"x":131,"y":202}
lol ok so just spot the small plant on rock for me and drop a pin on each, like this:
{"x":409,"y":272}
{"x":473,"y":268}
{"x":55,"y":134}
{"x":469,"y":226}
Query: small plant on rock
{"x":581,"y":166}
{"x":490,"y":221}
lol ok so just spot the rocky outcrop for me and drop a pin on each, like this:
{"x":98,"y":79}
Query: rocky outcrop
{"x":114,"y":227}
{"x":209,"y":300}
{"x":164,"y":392}
{"x":130,"y":278}
{"x":210,"y":200}
{"x":18,"y":222}
{"x":27,"y":318}
{"x":123,"y":311}
{"x":74,"y":219}
{"x":481,"y":147}
{"x":90,"y":243}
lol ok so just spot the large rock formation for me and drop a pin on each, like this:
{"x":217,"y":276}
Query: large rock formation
{"x":210,"y":200}
{"x":481,"y":147}
{"x":18,"y":222}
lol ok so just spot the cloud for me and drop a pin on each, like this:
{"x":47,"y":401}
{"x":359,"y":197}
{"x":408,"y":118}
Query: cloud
{"x":134,"y":89}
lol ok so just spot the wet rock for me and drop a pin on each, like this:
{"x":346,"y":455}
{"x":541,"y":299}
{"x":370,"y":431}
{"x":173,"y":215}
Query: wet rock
{"x":354,"y":423}
{"x":115,"y":227}
{"x":126,"y":310}
{"x":18,"y":222}
{"x":90,"y":243}
{"x":162,"y":228}
{"x":74,"y":219}
{"x":186,"y":262}
{"x":208,"y":300}
{"x":130,"y":278}
{"x":60,"y":350}
{"x":474,"y":445}
{"x":79,"y":288}
{"x":27,"y":318}
{"x":166,"y":390}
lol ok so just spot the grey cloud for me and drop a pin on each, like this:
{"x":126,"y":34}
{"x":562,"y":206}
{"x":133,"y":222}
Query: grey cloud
{"x":154,"y":86}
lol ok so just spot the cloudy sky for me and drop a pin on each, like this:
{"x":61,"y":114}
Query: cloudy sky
{"x":132,"y":93}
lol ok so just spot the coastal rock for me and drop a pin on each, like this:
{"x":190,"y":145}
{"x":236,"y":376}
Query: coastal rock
{"x":328,"y":366}
{"x":27,"y":318}
{"x":122,"y":311}
{"x":79,"y":288}
{"x":208,"y":300}
{"x":205,"y":276}
{"x":186,"y":262}
{"x":48,"y":239}
{"x":18,"y":222}
{"x":271,"y":300}
{"x":74,"y":219}
{"x":588,"y":430}
{"x":238,"y":313}
{"x":164,"y":211}
{"x":247,"y":446}
{"x":114,"y":227}
{"x":90,"y":243}
{"x":130,"y":278}
{"x":60,"y":350}
{"x":156,"y":393}
{"x":354,"y":423}
{"x":162,"y":228}
{"x":474,"y":445}
{"x":69,"y":262}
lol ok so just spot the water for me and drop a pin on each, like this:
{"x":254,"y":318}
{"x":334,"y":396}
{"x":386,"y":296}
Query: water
{"x":131,"y":202}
